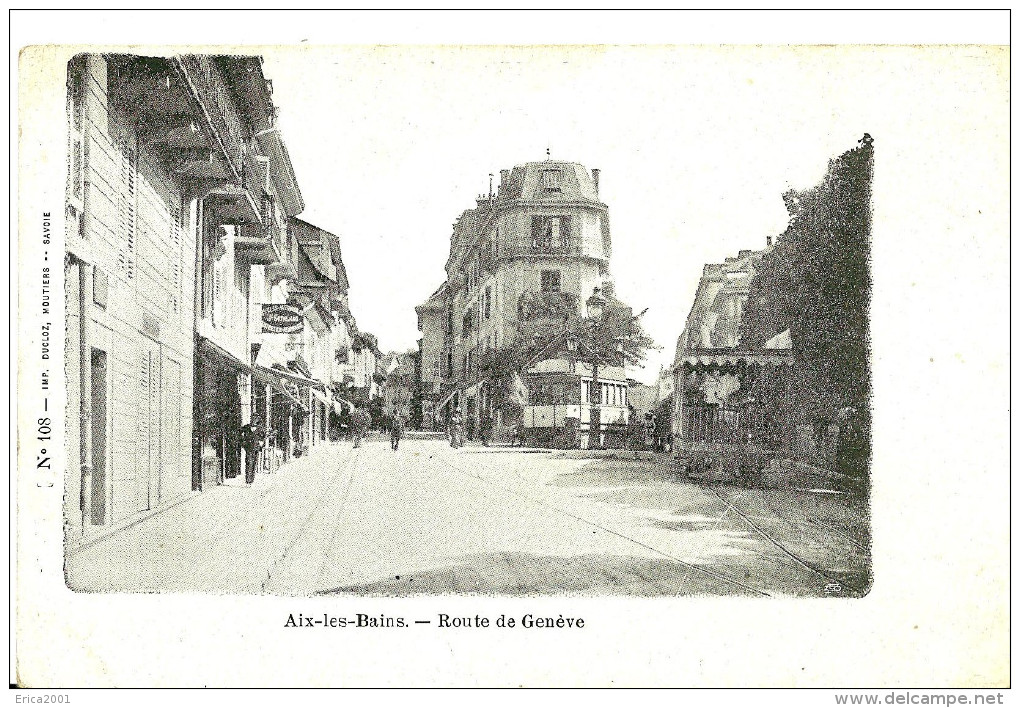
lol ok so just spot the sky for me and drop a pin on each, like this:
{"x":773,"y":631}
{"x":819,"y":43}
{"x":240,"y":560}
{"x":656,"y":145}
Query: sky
{"x":696,"y":146}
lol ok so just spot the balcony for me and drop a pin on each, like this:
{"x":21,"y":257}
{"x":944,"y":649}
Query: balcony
{"x":255,"y":244}
{"x":240,"y":179}
{"x":213,"y":94}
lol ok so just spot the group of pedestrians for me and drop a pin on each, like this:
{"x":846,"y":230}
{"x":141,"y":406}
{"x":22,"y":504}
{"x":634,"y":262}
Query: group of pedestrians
{"x":361,"y":421}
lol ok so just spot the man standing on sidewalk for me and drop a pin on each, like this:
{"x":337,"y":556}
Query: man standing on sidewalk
{"x":251,"y":441}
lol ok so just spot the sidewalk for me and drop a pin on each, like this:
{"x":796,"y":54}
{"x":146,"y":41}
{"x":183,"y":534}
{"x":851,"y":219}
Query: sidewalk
{"x":224,"y":539}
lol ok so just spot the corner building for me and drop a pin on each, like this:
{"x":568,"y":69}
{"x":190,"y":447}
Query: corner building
{"x":541,"y":237}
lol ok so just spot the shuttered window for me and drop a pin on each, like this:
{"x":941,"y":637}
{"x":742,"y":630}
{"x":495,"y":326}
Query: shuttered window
{"x":550,"y":233}
{"x":76,"y":121}
{"x":127,"y":207}
{"x":176,"y":255}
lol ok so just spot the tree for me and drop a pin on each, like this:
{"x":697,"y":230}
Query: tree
{"x":546,"y":323}
{"x":816,"y":282}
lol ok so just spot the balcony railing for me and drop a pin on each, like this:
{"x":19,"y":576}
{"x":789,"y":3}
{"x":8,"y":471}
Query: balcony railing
{"x":253,"y":173}
{"x":214,"y":95}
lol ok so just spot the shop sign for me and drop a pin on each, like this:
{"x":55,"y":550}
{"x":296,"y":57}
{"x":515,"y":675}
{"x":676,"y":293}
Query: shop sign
{"x":281,"y":319}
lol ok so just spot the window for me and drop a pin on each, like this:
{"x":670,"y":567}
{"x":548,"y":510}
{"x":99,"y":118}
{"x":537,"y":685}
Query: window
{"x":473,"y":273}
{"x":178,"y":224}
{"x":488,"y":302}
{"x":550,"y":233}
{"x":550,"y":281}
{"x":551,"y":180}
{"x":127,"y":206}
{"x":76,"y":111}
{"x":466,"y":324}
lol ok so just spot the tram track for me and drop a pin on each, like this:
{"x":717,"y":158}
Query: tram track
{"x":767,"y":498}
{"x":730,"y":505}
{"x":347,"y":465}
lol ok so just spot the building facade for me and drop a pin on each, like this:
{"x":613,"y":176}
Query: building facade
{"x":435,"y":354}
{"x":181,"y":238}
{"x":715,"y":414}
{"x":532,"y":250}
{"x":133,"y":222}
{"x":399,"y":391}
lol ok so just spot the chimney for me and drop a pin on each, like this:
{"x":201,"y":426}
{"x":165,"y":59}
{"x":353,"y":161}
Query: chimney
{"x":768,"y":240}
{"x":490,"y":185}
{"x":595,"y":179}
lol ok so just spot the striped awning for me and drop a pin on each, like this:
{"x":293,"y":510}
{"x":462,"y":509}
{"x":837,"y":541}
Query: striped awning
{"x":269,"y":377}
{"x":772,"y":357}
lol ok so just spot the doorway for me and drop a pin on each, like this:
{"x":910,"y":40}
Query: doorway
{"x":100,"y":417}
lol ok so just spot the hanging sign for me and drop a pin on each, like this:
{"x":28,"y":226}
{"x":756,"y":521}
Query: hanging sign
{"x":282,"y":319}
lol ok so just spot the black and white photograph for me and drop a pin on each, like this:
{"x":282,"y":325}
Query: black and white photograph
{"x":232,"y":408}
{"x":379,"y":334}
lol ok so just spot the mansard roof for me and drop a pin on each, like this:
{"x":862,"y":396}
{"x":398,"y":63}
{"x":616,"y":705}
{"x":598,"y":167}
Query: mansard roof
{"x":575,"y":183}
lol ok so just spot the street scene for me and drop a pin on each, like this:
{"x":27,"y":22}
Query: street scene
{"x":431,"y":520}
{"x":513,"y":410}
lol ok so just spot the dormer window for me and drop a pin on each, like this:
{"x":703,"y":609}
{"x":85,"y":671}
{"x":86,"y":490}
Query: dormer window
{"x":551,"y":180}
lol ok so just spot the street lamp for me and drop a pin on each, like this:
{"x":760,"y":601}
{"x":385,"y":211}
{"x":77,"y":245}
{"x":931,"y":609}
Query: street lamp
{"x":596,"y":306}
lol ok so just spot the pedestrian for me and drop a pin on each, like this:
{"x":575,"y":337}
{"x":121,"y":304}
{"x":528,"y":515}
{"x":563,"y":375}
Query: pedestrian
{"x":456,"y":429}
{"x":485,"y":429}
{"x":396,"y":429}
{"x":359,"y":425}
{"x":251,"y":441}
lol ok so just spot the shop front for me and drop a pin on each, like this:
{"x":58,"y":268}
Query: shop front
{"x":222,"y":405}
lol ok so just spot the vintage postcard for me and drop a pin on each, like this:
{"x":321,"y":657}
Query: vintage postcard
{"x":331,"y":353}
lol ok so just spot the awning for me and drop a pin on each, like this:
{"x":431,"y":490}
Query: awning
{"x":212,"y":351}
{"x":448,"y":398}
{"x":771,"y":357}
{"x":297,"y":378}
{"x":268,"y":377}
{"x":321,"y":398}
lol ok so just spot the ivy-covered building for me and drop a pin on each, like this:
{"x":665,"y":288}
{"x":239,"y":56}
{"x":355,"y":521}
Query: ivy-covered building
{"x":524,"y":258}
